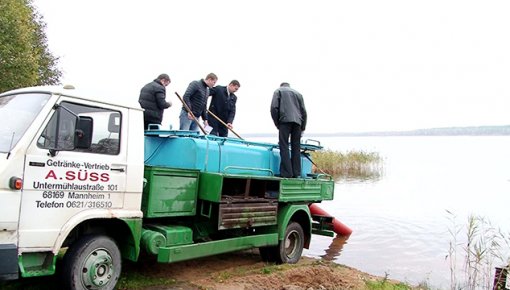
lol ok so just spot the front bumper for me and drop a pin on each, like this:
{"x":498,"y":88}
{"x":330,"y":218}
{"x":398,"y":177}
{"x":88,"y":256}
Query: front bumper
{"x":8,"y":262}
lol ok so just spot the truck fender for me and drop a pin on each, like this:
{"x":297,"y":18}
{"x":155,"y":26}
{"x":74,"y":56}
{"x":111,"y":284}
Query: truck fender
{"x":295,"y":212}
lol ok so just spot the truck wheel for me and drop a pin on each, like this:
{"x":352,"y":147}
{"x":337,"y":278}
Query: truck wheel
{"x":93,"y":262}
{"x":291,"y":247}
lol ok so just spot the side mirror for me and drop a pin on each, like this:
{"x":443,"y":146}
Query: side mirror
{"x":83,"y":132}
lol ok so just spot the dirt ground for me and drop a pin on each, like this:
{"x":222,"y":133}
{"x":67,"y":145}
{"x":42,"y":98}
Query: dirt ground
{"x":234,"y":271}
{"x":245,"y":270}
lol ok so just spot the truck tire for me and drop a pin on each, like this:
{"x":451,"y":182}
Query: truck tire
{"x":93,"y":262}
{"x":291,"y":247}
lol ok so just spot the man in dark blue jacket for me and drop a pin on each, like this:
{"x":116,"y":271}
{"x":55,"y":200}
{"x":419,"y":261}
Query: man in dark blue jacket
{"x":289,"y":116}
{"x":196,"y":98}
{"x":153,"y":100}
{"x":223,"y":106}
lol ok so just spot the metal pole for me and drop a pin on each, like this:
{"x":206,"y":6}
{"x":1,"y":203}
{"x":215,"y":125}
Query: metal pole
{"x":219,"y":120}
{"x":192,"y":115}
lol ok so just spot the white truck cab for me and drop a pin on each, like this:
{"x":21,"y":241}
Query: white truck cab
{"x":65,"y":163}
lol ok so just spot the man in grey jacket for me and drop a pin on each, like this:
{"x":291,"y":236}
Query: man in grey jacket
{"x":289,"y":116}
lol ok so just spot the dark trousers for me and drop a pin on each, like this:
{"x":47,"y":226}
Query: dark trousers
{"x":218,"y":128}
{"x":290,"y":165}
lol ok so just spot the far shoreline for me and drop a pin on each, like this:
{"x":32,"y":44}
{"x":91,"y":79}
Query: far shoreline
{"x":445,"y":131}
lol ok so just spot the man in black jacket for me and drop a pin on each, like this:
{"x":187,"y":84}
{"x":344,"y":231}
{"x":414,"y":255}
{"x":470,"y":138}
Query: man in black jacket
{"x":289,"y":116}
{"x":223,"y":106}
{"x":196,"y":98}
{"x":153,"y":100}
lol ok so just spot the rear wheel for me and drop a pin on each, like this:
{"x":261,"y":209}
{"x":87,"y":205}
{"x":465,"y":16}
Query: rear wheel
{"x":291,"y":247}
{"x":93,"y":262}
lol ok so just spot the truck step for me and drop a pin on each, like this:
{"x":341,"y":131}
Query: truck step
{"x":37,"y":264}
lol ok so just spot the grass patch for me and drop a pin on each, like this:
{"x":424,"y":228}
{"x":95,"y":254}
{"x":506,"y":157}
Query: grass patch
{"x":386,"y":284}
{"x":222,"y":277}
{"x":36,"y":283}
{"x":135,"y":281}
{"x":272,"y":268}
{"x":349,"y":165}
{"x":129,"y":280}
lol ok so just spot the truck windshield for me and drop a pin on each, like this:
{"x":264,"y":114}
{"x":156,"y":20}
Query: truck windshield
{"x":18,"y":112}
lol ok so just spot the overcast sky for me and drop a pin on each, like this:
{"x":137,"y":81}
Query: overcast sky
{"x":360,"y":65}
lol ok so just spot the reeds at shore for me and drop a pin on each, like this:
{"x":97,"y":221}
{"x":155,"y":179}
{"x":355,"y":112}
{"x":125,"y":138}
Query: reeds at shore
{"x":482,"y":247}
{"x":350,"y":165}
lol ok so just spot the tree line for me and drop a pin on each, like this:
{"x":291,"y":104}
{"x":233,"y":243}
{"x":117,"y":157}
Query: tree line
{"x":25,"y":59}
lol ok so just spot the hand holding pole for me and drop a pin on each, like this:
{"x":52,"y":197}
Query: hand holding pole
{"x":191,"y":113}
{"x":219,"y":120}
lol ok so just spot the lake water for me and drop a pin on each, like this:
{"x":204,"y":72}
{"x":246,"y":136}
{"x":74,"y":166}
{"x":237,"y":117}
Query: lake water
{"x":400,"y":221}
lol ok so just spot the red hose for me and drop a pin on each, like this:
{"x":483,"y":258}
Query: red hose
{"x":338,"y":227}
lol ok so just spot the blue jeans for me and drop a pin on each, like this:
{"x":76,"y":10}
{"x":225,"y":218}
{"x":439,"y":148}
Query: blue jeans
{"x":185,"y":123}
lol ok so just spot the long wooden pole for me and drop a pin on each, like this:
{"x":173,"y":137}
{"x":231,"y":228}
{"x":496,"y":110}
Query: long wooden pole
{"x":192,"y":115}
{"x":221,"y":121}
{"x":316,"y":166}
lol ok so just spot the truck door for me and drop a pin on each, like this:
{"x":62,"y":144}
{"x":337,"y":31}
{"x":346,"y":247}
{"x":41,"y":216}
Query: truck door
{"x":67,"y":181}
{"x":20,"y":112}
